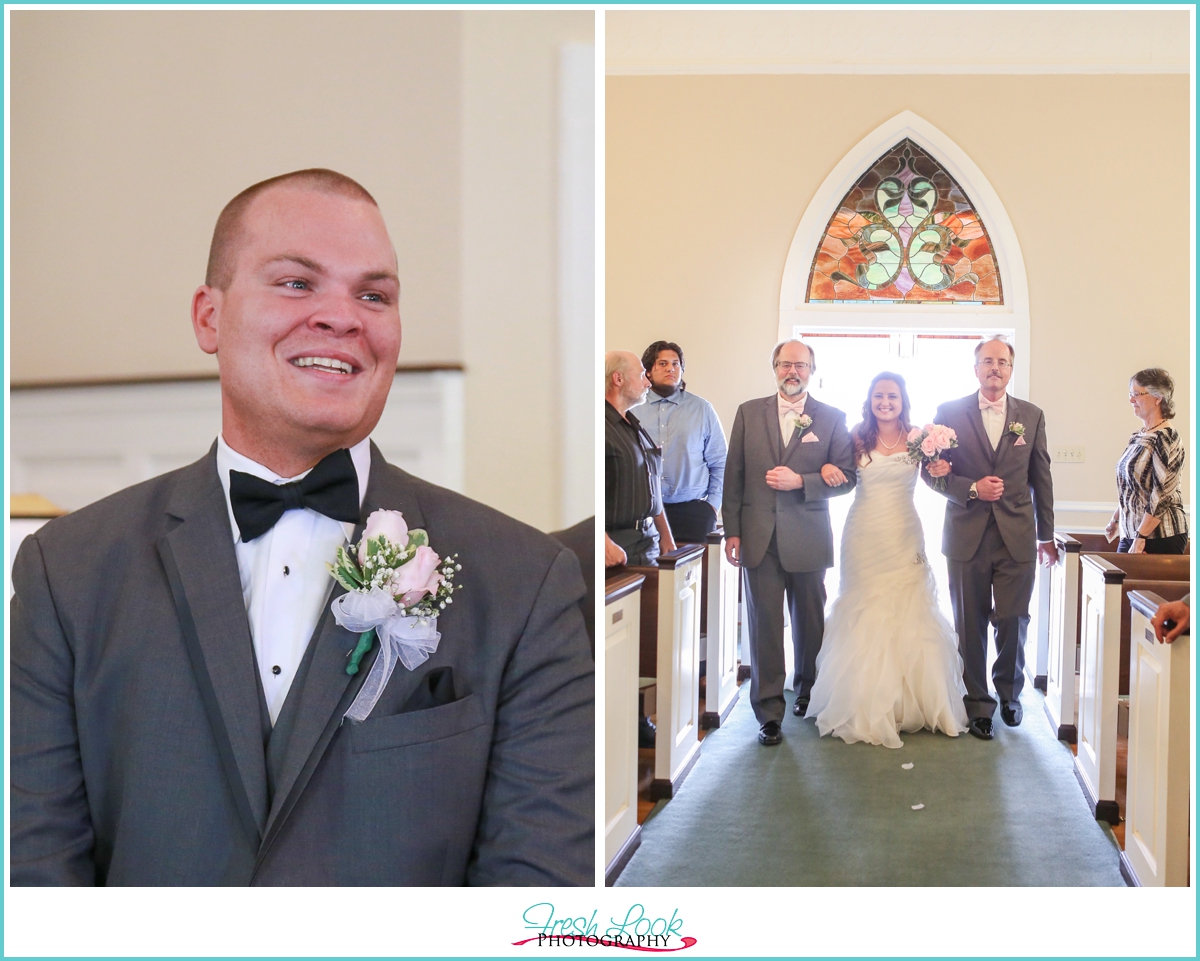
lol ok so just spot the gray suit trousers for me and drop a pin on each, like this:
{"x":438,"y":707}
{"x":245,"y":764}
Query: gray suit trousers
{"x":992,"y":573}
{"x":765,"y":588}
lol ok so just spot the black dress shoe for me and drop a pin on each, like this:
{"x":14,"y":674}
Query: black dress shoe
{"x":646,"y":732}
{"x":981,"y":727}
{"x":800,"y":706}
{"x":770,"y":733}
{"x":1010,"y":713}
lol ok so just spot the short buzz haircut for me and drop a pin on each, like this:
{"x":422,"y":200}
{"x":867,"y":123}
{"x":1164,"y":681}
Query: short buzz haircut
{"x":812,"y":354}
{"x":222,"y":253}
{"x":997,"y":339}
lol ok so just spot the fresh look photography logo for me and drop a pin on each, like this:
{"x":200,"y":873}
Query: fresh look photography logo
{"x":636,"y":930}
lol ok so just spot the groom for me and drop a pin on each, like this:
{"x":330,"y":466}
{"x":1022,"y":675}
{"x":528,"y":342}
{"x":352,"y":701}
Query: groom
{"x":784,"y":452}
{"x":999,"y":519}
{"x":178,"y":684}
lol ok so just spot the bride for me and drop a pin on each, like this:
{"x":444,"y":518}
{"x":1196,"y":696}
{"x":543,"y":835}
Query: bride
{"x":889,"y":661}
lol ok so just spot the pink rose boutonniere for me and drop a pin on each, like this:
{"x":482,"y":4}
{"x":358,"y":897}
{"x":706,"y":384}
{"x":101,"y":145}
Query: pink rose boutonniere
{"x":926,"y":444}
{"x":395,"y":587}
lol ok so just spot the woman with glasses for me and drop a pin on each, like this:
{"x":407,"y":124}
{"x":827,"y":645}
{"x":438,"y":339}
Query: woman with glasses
{"x":1149,"y":517}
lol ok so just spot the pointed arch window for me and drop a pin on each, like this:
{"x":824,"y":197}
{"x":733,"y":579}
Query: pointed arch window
{"x":906,"y":232}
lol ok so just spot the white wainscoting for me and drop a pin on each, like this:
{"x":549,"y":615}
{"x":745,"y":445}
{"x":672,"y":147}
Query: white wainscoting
{"x":74,"y":445}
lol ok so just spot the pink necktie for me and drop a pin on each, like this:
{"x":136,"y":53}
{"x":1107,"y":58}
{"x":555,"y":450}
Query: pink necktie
{"x":985,"y":404}
{"x":794,"y":408}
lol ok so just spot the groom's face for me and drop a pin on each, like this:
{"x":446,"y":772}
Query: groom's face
{"x":308,"y":330}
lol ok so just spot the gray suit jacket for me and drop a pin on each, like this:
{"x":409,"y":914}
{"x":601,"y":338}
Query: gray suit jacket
{"x":141,"y":748}
{"x":753,"y":511}
{"x":1025,"y":513}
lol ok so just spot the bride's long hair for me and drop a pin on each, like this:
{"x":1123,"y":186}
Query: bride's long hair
{"x":866,"y":432}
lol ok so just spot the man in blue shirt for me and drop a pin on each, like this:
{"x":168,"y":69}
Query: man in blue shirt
{"x":693,"y":444}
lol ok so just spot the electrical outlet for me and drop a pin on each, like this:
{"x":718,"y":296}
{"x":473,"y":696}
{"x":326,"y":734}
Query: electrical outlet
{"x":1068,"y":455}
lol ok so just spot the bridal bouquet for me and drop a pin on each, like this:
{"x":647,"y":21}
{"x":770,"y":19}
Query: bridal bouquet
{"x":925,"y":445}
{"x":395,"y":586}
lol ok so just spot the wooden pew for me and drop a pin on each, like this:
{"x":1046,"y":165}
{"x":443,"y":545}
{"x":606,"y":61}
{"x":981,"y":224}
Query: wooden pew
{"x":1062,"y":585}
{"x":622,"y":607}
{"x":670,"y":652}
{"x":1061,"y":628}
{"x":1157,"y":793}
{"x":1106,"y":580}
{"x":721,"y":638}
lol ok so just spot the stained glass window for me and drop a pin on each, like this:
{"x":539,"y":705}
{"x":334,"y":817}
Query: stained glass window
{"x":905,"y":233}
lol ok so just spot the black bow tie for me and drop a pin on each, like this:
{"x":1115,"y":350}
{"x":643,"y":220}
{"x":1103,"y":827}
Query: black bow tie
{"x":330,"y":488}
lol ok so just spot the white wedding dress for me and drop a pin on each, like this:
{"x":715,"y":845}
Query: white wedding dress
{"x":889,"y":660}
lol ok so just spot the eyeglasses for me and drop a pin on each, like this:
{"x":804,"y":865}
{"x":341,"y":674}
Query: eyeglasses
{"x":787,"y":365}
{"x":1002,"y":364}
{"x":1138,"y":393}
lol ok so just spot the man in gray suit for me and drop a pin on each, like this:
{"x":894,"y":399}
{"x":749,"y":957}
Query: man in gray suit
{"x":999,"y":519}
{"x":788,"y":454}
{"x":178,"y":684}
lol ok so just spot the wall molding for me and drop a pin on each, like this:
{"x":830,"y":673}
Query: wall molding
{"x":887,"y":69}
{"x":76,"y":444}
{"x":189,"y":378}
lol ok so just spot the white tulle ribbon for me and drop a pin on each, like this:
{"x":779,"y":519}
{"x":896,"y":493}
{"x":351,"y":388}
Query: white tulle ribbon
{"x":402,"y":637}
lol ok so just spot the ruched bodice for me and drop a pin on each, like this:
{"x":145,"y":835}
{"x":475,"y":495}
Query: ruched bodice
{"x":889,"y":661}
{"x":883,"y":533}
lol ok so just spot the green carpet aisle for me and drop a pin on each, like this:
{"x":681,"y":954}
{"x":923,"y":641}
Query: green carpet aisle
{"x":817,"y":811}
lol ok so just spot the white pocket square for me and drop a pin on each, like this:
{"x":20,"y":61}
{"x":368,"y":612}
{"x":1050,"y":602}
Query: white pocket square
{"x":1019,"y":442}
{"x":809,"y":439}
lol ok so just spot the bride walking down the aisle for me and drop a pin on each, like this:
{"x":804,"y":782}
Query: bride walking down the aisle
{"x":890,"y":660}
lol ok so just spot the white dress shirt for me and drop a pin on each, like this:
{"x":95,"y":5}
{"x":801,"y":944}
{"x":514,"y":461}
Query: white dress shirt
{"x":994,"y":421}
{"x":285,"y":582}
{"x":790,"y":411}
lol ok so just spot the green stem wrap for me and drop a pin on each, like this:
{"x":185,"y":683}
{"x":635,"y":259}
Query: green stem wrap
{"x":364,"y":644}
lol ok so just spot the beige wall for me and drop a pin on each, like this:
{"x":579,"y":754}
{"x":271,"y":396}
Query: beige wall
{"x":130,"y":131}
{"x":707,"y":178}
{"x":510,"y":292}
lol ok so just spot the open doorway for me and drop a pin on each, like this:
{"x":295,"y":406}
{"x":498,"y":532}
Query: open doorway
{"x":937,"y":365}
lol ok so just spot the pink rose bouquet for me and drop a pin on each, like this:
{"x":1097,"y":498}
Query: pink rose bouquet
{"x":926,"y":444}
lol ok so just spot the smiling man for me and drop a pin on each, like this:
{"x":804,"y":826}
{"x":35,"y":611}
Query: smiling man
{"x":999,"y":520}
{"x":179,"y":687}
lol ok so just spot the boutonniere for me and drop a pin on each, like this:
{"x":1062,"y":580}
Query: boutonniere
{"x":1017,"y":428}
{"x":803,"y":423}
{"x":395,"y":587}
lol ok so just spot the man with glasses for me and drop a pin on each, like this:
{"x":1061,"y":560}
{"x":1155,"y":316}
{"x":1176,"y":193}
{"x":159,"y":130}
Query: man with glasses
{"x":999,"y":520}
{"x":787,"y":454}
{"x":693,"y":444}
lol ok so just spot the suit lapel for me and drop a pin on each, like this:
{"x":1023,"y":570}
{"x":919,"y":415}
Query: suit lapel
{"x":771,"y":420}
{"x":812,"y":408}
{"x":328,"y":690}
{"x":201,"y":566}
{"x":1012,"y":414}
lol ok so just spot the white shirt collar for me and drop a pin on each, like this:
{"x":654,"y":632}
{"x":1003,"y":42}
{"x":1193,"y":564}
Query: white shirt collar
{"x":228,"y":459}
